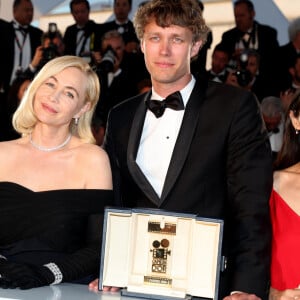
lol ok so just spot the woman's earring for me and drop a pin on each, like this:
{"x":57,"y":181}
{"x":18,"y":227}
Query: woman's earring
{"x":76,"y":120}
{"x":296,"y":131}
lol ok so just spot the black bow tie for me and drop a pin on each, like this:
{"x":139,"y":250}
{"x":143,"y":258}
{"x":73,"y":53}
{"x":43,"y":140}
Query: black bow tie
{"x":173,"y":101}
{"x":221,"y":77}
{"x":24,"y":30}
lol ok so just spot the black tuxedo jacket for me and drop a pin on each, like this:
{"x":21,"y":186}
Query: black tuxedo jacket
{"x":70,"y":37}
{"x":287,"y":54}
{"x":128,"y":31}
{"x":220,"y":168}
{"x":7,"y":49}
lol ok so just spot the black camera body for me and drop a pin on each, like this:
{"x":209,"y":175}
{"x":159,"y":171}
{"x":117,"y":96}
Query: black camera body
{"x":51,"y":51}
{"x":242,"y":74}
{"x":108,"y":60}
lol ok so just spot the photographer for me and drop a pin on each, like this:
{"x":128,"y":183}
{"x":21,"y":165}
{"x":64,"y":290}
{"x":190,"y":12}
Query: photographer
{"x":273,"y":115}
{"x":52,"y":46}
{"x":116,"y":72}
{"x":247,"y":75}
{"x":83,"y":37}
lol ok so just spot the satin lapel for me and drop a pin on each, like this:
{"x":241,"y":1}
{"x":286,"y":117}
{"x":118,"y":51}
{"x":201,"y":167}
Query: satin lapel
{"x":185,"y":137}
{"x":133,"y":144}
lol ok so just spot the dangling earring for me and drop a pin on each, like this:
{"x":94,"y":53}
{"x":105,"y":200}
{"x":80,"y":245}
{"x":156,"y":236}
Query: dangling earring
{"x":76,"y":121}
{"x":296,"y":131}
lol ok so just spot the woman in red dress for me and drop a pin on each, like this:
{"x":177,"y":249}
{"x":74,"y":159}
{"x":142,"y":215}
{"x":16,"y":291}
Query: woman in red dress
{"x":285,"y":212}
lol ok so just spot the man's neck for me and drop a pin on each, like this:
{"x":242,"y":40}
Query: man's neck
{"x":82,"y":24}
{"x":121,"y":22}
{"x":165,"y":89}
{"x":20,"y":24}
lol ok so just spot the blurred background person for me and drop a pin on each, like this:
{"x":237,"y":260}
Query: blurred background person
{"x":288,"y":53}
{"x":219,"y":63}
{"x":52,"y":47}
{"x":273,"y":115}
{"x":285,"y":211}
{"x":292,"y":89}
{"x":83,"y":37}
{"x":247,"y":76}
{"x":14,"y":98}
{"x":20,"y":39}
{"x":19,"y":42}
{"x":198,"y":63}
{"x":122,"y":23}
{"x":117,"y":74}
{"x":249,"y":34}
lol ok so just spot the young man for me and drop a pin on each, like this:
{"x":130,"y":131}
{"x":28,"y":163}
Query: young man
{"x":209,"y":155}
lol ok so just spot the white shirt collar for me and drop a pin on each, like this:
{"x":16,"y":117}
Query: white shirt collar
{"x":185,"y":92}
{"x":18,"y":25}
{"x":119,"y":23}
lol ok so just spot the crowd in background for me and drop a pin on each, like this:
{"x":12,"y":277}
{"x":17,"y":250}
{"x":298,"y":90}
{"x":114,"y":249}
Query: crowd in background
{"x":111,"y":48}
{"x":248,"y":56}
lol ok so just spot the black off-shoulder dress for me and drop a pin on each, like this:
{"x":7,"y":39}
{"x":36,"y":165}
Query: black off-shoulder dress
{"x":59,"y":226}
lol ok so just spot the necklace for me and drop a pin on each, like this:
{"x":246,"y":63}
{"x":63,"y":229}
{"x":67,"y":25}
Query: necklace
{"x":41,"y":148}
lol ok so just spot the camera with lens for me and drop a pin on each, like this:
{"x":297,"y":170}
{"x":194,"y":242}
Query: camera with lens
{"x":50,"y":52}
{"x":242,"y":74}
{"x":108,"y":60}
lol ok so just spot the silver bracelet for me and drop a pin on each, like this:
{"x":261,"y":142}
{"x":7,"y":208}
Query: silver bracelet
{"x":56,"y":272}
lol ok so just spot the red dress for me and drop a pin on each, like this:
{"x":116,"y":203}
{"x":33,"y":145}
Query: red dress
{"x":285,"y":260}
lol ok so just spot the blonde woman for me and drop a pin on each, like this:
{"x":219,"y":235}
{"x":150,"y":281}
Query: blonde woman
{"x":54,"y":182}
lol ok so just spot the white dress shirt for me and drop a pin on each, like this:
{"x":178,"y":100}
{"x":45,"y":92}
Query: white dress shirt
{"x":83,"y":45}
{"x":276,"y":139}
{"x":158,"y":140}
{"x":22,"y":51}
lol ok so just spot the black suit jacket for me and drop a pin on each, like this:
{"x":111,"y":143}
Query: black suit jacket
{"x":220,"y":168}
{"x":287,"y":54}
{"x":7,"y":47}
{"x":70,"y":37}
{"x":267,"y":46}
{"x":128,"y":31}
{"x":122,"y":87}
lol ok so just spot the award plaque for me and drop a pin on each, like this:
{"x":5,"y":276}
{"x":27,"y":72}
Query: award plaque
{"x":161,"y":255}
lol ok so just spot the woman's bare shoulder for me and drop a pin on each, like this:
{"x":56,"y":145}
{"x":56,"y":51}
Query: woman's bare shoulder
{"x":286,"y":177}
{"x":8,"y":146}
{"x":95,"y":163}
{"x":91,"y":151}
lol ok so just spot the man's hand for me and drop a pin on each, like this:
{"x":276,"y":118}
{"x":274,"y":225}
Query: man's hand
{"x":242,"y":296}
{"x":93,"y":286}
{"x":38,"y":55}
{"x":289,"y":294}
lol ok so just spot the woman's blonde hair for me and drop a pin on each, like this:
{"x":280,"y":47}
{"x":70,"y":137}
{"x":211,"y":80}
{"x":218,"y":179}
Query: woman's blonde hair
{"x":25,"y":119}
